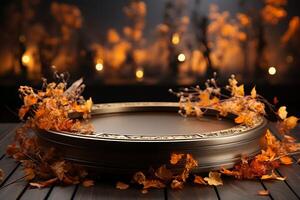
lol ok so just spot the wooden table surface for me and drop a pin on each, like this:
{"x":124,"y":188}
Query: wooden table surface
{"x":231,"y":190}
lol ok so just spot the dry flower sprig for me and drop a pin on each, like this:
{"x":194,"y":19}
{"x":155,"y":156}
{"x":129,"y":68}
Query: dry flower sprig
{"x":55,"y":107}
{"x":248,"y":108}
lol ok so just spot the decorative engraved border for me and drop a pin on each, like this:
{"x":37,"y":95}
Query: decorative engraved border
{"x":236,"y":130}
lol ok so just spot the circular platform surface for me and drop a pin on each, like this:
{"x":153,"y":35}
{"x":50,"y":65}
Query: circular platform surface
{"x":157,"y":123}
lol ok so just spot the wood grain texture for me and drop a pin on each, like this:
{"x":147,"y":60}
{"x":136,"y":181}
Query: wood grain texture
{"x":240,"y":189}
{"x":108,"y":191}
{"x":193,"y":192}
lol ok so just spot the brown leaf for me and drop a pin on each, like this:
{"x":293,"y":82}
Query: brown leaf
{"x":122,"y":186}
{"x":139,"y":178}
{"x":59,"y":169}
{"x":263,"y":192}
{"x":175,"y":158}
{"x":153,"y":184}
{"x":176,"y":185}
{"x":29,"y":173}
{"x":44,"y":183}
{"x":88,"y":183}
{"x":199,"y":180}
{"x":1,"y":175}
{"x":163,"y":173}
{"x":214,"y":178}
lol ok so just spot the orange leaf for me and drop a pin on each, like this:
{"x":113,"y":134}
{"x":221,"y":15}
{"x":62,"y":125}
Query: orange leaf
{"x":286,"y":160}
{"x":122,"y":186}
{"x":88,"y":183}
{"x":199,"y":180}
{"x":175,"y":158}
{"x":263,"y":192}
{"x":163,"y":173}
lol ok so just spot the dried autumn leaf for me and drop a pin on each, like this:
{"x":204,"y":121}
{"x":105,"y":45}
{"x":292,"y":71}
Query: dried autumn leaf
{"x":253,"y":93}
{"x":29,"y":173}
{"x":139,"y":178}
{"x":286,"y":160}
{"x":214,"y":178}
{"x":122,"y":186}
{"x":163,"y":173}
{"x":175,"y":158}
{"x":59,"y":169}
{"x":239,"y":119}
{"x":291,"y":122}
{"x":282,"y":113}
{"x":1,"y":175}
{"x":272,"y":176}
{"x":176,"y":185}
{"x":153,"y":184}
{"x":44,"y":183}
{"x":199,"y":180}
{"x":88,"y":183}
{"x":263,"y":192}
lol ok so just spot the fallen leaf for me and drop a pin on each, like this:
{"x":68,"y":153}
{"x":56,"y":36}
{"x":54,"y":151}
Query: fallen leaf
{"x":291,"y":122}
{"x":153,"y":184}
{"x":175,"y":158}
{"x":214,"y":178}
{"x":163,"y":173}
{"x":29,"y":173}
{"x":1,"y":175}
{"x":44,"y":183}
{"x":263,"y":192}
{"x":122,"y":186}
{"x":286,"y":160}
{"x":282,"y":113}
{"x":139,"y":178}
{"x":87,"y":183}
{"x":176,"y":185}
{"x":272,"y":176}
{"x":199,"y":180}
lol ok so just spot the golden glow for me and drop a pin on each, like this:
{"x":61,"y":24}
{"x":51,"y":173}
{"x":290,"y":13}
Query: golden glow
{"x":139,"y":73}
{"x":25,"y":59}
{"x":181,"y":57}
{"x":175,"y":38}
{"x":272,"y":70}
{"x":99,"y":66}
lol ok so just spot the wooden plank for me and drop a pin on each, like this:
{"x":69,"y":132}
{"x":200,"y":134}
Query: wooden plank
{"x":8,"y":138}
{"x":108,"y":191}
{"x":240,"y":189}
{"x":292,"y":173}
{"x":62,"y":192}
{"x":279,"y":190}
{"x":8,"y":165}
{"x":193,"y":192}
{"x":4,"y":128}
{"x":34,"y":193}
{"x":14,"y":190}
